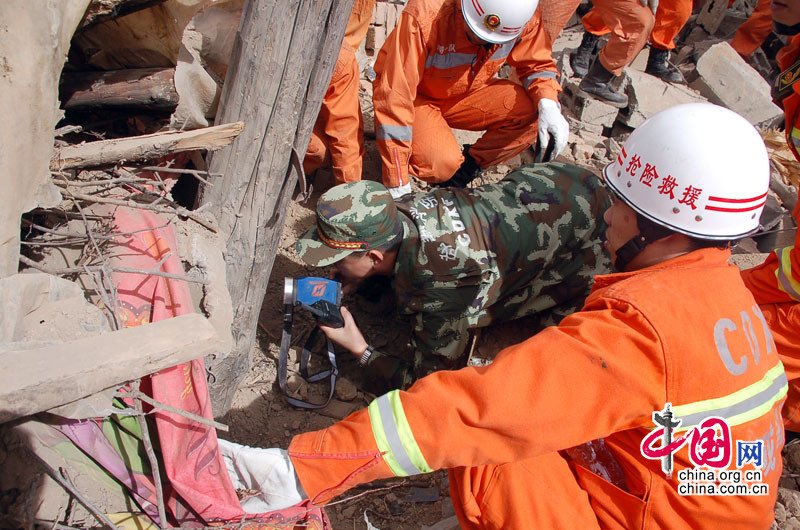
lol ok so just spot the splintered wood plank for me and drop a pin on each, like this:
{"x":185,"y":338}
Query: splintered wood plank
{"x":144,"y":147}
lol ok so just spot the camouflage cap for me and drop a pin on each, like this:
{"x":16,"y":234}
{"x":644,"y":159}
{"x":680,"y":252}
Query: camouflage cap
{"x":351,"y":217}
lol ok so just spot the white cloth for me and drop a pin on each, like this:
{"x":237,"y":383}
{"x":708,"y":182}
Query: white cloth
{"x":399,"y":191}
{"x":652,"y":4}
{"x":268,"y":471}
{"x":552,"y":123}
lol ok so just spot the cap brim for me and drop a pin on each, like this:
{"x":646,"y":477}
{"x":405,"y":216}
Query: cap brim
{"x":316,"y":253}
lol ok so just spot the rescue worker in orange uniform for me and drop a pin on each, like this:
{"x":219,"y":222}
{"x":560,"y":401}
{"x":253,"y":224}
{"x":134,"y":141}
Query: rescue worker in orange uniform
{"x":630,"y":23}
{"x":674,"y":335}
{"x":437,"y":70}
{"x":776,"y":282}
{"x":753,"y":31}
{"x":338,"y":136}
{"x":670,"y":17}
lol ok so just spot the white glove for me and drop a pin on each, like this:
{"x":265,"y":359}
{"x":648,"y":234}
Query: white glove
{"x":552,"y":123}
{"x":268,"y":471}
{"x":652,"y":4}
{"x":399,"y":191}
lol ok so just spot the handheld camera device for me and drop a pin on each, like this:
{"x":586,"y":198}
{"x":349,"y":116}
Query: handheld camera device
{"x":322,"y":297}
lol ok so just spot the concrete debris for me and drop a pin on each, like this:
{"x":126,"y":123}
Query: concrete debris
{"x":712,"y":15}
{"x":383,"y":22}
{"x":589,"y":110}
{"x":649,"y":94}
{"x":726,"y":79}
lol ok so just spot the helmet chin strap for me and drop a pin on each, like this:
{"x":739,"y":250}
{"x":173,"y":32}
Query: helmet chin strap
{"x":630,"y":250}
{"x":649,"y":232}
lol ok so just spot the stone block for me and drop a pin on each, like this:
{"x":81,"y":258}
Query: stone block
{"x":379,"y":18}
{"x":726,"y":79}
{"x":578,"y":127}
{"x":595,"y":112}
{"x":712,"y":15}
{"x":649,"y":94}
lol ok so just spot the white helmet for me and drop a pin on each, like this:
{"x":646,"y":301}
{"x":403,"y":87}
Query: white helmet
{"x":498,"y":21}
{"x":698,"y":169}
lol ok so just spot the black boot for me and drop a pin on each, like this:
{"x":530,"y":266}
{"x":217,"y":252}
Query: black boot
{"x":582,"y":57}
{"x":596,"y":85}
{"x":465,"y":174}
{"x":658,"y":65}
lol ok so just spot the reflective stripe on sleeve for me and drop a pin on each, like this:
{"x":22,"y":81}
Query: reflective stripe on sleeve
{"x":786,"y":280}
{"x":503,"y":51}
{"x":739,"y":407}
{"x":394,"y":437}
{"x":449,"y":60}
{"x":528,"y":81}
{"x":400,"y":133}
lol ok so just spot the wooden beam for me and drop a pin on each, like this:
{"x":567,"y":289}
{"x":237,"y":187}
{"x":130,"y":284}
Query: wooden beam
{"x":148,"y":88}
{"x":36,"y":380}
{"x":145,"y":147}
{"x":279,"y":71}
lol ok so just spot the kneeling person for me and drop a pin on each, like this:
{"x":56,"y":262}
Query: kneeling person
{"x":463,"y":258}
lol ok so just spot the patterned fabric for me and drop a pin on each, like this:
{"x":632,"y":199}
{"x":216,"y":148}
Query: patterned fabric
{"x":356,"y":216}
{"x":524,"y":245}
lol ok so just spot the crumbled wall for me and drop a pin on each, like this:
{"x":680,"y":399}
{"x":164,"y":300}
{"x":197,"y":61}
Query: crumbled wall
{"x":34,"y":40}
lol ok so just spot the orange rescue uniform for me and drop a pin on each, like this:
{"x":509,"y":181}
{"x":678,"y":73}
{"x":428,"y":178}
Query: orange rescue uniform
{"x":753,"y":31}
{"x":775,"y":284}
{"x":430,"y":77}
{"x":338,"y":136}
{"x":629,"y":23}
{"x":671,"y":16}
{"x":643,"y":339}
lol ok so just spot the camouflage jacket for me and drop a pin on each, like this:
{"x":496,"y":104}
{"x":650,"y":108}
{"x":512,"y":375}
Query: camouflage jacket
{"x":524,"y":245}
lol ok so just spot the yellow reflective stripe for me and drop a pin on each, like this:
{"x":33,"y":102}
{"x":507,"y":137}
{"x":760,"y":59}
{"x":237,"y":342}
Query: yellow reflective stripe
{"x":394,"y":437}
{"x":786,"y":280}
{"x":739,"y":407}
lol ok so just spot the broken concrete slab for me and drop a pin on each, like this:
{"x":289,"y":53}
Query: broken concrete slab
{"x":595,"y":112}
{"x":578,"y":127}
{"x":590,"y":111}
{"x":712,"y":14}
{"x":726,"y":79}
{"x":649,"y":94}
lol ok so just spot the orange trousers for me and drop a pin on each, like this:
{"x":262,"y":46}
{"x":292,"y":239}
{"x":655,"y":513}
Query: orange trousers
{"x":540,"y":492}
{"x":629,"y":23}
{"x":358,"y":23}
{"x":501,"y":108}
{"x":754,"y":30}
{"x":338,"y":136}
{"x":671,"y":16}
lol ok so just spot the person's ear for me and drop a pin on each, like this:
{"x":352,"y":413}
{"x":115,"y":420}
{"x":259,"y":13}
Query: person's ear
{"x":376,"y":256}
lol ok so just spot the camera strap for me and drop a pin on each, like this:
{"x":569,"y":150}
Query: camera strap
{"x":305,"y":355}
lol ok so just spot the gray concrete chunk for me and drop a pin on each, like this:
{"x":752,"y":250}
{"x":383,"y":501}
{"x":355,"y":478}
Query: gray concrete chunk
{"x":726,"y":79}
{"x":649,"y":94}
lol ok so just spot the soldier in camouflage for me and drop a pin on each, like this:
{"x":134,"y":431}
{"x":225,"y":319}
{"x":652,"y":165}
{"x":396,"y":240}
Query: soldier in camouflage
{"x":464,"y":258}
